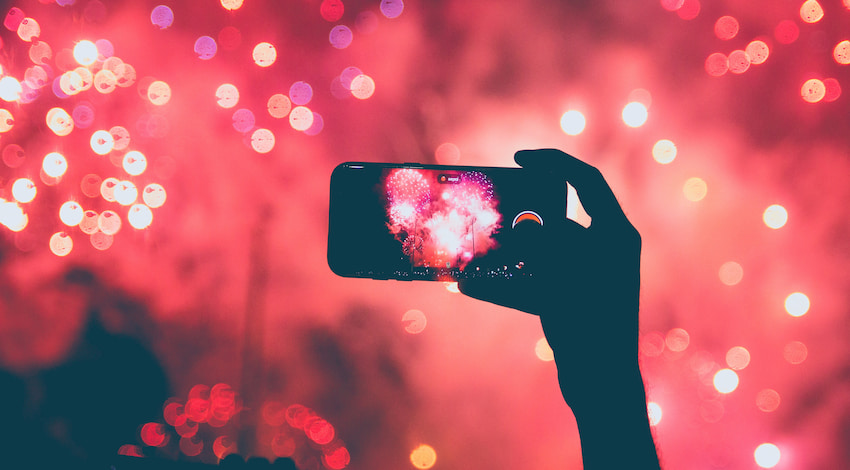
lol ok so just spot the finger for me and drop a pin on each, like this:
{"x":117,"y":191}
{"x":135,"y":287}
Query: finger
{"x":596,"y":196}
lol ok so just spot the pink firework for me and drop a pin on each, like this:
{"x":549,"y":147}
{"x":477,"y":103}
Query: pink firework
{"x":408,"y":194}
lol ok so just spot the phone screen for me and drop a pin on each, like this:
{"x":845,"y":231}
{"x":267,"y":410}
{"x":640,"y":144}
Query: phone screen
{"x":430,"y":222}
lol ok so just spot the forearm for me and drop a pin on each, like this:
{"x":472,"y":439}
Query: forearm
{"x":614,"y":427}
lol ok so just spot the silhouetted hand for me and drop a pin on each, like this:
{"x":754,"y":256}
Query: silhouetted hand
{"x":585,"y":288}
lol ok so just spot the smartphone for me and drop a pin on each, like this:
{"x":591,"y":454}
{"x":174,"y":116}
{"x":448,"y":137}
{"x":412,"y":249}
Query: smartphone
{"x":436,"y":222}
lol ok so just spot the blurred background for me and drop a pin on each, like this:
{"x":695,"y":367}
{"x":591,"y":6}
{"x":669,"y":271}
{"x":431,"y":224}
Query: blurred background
{"x":164,"y":195}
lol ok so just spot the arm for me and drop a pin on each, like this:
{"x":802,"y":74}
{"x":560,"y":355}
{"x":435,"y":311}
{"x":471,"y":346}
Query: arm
{"x":586,"y":290}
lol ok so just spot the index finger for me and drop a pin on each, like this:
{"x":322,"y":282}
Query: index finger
{"x":596,"y":196}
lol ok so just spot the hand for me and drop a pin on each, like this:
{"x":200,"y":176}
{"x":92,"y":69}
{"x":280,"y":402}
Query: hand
{"x":585,"y":288}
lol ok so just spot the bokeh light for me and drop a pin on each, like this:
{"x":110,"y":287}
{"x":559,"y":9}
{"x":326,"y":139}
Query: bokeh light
{"x":725,"y":381}
{"x":768,"y":400}
{"x":664,"y":151}
{"x":162,"y":16}
{"x":332,"y":10}
{"x":340,"y":36}
{"x":775,"y":216}
{"x":392,"y":8}
{"x":61,"y":244}
{"x":262,"y":140}
{"x":24,"y":190}
{"x":279,"y":106}
{"x":301,"y":118}
{"x":795,"y":352}
{"x":134,"y":163}
{"x":300,"y":93}
{"x":205,"y":47}
{"x":231,"y":4}
{"x":71,"y":213}
{"x":109,"y":222}
{"x":738,"y":358}
{"x":102,"y":142}
{"x":813,"y":90}
{"x":54,"y":164}
{"x":726,"y":27}
{"x":362,"y":87}
{"x":125,"y":193}
{"x":264,"y":54}
{"x":767,"y":455}
{"x":695,"y":189}
{"x":414,"y":321}
{"x":227,"y":96}
{"x":689,"y":10}
{"x":423,"y":456}
{"x":739,"y":61}
{"x":159,"y":93}
{"x":731,"y":273}
{"x":85,"y":53}
{"x":543,"y":351}
{"x":811,"y":11}
{"x":797,"y":304}
{"x":10,"y":89}
{"x":573,"y":122}
{"x":635,"y":114}
{"x":841,"y":52}
{"x":758,"y":52}
{"x":677,"y":339}
{"x":653,"y":410}
{"x":154,"y":195}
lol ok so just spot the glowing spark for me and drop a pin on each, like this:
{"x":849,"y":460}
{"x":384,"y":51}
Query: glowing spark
{"x":664,"y":151}
{"x":573,"y":122}
{"x":767,"y":455}
{"x":85,"y":53}
{"x":635,"y":114}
